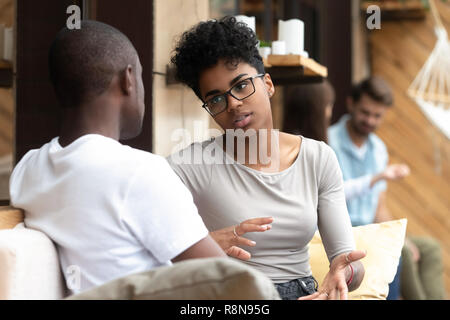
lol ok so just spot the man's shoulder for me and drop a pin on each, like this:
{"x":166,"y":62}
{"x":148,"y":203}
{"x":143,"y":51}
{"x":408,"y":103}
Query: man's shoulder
{"x":336,"y":131}
{"x":103,"y":149}
{"x":100,"y":154}
{"x":131,"y":161}
{"x":339,"y":124}
{"x":377,"y":144}
{"x":334,"y":128}
{"x":334,"y":136}
{"x":30,"y":158}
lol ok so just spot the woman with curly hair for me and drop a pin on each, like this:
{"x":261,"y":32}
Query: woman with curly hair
{"x":293,"y":182}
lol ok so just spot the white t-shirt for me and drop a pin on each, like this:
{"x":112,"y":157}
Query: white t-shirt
{"x":110,"y":209}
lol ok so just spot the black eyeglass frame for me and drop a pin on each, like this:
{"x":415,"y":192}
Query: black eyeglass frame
{"x":228,"y":92}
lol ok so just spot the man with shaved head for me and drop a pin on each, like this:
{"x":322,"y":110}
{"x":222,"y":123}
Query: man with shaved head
{"x":110,"y":209}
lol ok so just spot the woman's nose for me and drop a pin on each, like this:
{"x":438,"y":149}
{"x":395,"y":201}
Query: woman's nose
{"x":233,"y":103}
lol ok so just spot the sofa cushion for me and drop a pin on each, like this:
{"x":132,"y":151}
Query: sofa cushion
{"x":29,"y":265}
{"x":383,"y":243}
{"x":196,"y":279}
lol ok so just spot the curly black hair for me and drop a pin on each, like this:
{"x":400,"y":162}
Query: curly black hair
{"x":206,"y":43}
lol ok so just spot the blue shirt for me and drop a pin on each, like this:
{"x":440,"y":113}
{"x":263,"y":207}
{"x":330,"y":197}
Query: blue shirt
{"x":370,"y":158}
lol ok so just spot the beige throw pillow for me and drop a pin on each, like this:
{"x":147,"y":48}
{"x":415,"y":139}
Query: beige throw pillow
{"x":383,"y":242}
{"x":196,"y":279}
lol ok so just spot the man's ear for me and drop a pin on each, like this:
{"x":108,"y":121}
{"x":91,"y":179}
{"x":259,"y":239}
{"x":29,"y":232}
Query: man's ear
{"x":126,"y":81}
{"x":269,"y":85}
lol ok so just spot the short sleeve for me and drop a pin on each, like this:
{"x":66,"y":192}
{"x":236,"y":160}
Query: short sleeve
{"x":333,"y":219}
{"x":160,"y":211}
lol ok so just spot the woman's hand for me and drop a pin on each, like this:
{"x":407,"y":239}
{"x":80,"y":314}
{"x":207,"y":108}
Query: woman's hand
{"x":334,"y":285}
{"x":231,"y":237}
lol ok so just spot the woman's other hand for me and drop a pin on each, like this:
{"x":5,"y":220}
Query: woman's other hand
{"x":334,"y":286}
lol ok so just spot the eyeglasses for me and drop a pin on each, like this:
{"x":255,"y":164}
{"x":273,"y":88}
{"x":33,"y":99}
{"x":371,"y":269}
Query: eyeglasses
{"x":240,"y":91}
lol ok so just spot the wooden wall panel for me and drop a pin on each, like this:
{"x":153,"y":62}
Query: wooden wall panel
{"x":6,"y":108}
{"x":7,"y":12}
{"x":6,"y":94}
{"x":398,"y":52}
{"x":38,"y":116}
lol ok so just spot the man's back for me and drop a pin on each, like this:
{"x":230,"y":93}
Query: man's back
{"x":111,"y":210}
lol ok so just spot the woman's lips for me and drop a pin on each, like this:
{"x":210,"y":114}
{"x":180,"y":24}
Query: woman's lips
{"x":242,"y":121}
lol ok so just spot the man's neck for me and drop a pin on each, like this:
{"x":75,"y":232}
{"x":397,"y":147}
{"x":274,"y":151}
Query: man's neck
{"x":355,"y":137}
{"x":88,"y":119}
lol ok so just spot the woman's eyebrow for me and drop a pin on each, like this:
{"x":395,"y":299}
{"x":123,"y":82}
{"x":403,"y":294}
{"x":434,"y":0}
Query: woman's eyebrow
{"x":231,"y":83}
{"x":237,"y":78}
{"x":210,"y":93}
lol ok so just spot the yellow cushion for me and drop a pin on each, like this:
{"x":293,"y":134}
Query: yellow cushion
{"x":383,"y":243}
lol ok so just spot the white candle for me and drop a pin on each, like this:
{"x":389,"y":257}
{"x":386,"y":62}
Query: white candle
{"x":2,"y":40}
{"x":278,"y":47}
{"x":8,"y":37}
{"x":292,"y":32}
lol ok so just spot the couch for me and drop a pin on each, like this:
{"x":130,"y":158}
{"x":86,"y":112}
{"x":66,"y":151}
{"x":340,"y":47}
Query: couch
{"x":31,"y":270}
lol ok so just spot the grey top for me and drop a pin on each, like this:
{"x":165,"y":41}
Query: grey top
{"x":307,"y":195}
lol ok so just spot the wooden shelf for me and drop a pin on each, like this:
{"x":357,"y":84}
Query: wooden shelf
{"x":252,"y":6}
{"x":312,"y":68}
{"x":294,"y":69}
{"x":6,"y":74}
{"x":283,"y":69}
{"x":396,"y":10}
{"x":10,"y":217}
{"x":5,"y":64}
